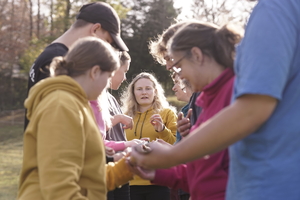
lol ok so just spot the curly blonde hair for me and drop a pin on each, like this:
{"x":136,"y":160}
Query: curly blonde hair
{"x":131,"y":107}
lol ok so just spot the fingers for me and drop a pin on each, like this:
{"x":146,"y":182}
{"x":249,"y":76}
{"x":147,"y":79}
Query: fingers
{"x":185,"y":132}
{"x":142,"y":148}
{"x":180,"y":116}
{"x":183,"y":123}
{"x":189,"y":114}
{"x":146,"y":139}
{"x":156,"y":117}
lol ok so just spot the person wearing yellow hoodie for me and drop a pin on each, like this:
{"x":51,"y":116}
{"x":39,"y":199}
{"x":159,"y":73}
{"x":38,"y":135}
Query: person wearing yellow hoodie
{"x":153,"y":118}
{"x":64,"y":156}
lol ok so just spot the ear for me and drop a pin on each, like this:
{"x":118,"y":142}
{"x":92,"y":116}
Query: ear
{"x":94,"y":72}
{"x":94,"y":29}
{"x":197,"y":55}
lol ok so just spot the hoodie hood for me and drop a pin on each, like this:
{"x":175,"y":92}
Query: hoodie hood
{"x":45,"y":87}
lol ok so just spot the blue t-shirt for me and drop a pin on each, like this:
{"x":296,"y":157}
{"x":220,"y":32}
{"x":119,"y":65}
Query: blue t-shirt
{"x":266,"y":164}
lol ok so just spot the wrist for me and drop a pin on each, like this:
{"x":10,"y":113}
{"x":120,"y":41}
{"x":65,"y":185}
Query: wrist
{"x":163,"y":128}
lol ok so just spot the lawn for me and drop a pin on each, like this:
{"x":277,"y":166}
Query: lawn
{"x":11,"y":147}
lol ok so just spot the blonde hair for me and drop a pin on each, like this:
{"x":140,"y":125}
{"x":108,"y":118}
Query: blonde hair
{"x":130,"y":105}
{"x":158,"y":47}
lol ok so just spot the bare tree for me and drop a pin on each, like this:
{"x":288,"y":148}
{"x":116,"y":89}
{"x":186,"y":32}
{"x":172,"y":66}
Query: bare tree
{"x":222,"y":11}
{"x":38,"y":19}
{"x":30,"y":20}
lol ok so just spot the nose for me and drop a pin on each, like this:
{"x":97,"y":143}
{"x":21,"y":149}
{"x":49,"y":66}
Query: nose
{"x":173,"y":88}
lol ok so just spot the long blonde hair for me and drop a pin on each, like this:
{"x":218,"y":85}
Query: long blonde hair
{"x":130,"y":105}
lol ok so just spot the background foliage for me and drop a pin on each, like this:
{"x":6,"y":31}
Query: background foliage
{"x":27,"y":26}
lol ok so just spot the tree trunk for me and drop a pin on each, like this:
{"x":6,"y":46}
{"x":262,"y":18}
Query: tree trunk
{"x":38,"y":19}
{"x":51,"y":18}
{"x":30,"y":20}
{"x":67,"y":15}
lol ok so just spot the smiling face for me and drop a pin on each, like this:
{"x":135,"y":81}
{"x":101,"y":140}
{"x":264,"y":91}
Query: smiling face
{"x":144,"y":92}
{"x":190,"y":69}
{"x":178,"y":88}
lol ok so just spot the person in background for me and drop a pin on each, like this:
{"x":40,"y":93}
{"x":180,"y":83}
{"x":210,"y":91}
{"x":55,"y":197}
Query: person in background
{"x":98,"y":19}
{"x":116,"y":132}
{"x":205,"y":54}
{"x":153,"y":118}
{"x":183,"y":92}
{"x":158,"y":49}
{"x":261,"y":124}
{"x":64,"y":156}
{"x":112,"y":122}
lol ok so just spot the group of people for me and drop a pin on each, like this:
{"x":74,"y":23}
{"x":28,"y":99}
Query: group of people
{"x":236,"y":138}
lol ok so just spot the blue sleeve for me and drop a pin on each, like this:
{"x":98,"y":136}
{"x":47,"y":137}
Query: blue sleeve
{"x":264,"y":57}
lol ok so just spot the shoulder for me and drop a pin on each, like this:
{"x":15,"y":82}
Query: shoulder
{"x":51,"y":51}
{"x":167,"y":112}
{"x":64,"y":99}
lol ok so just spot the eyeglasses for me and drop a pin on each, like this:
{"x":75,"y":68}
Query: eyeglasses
{"x":174,"y":67}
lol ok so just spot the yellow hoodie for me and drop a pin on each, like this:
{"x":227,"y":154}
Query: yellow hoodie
{"x":64,"y":156}
{"x":143,"y":128}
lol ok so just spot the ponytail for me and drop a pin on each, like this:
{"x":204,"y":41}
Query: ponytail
{"x":218,"y":43}
{"x":224,"y":45}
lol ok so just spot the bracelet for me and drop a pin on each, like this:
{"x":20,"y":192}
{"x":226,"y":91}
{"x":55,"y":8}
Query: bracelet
{"x":162,"y":129}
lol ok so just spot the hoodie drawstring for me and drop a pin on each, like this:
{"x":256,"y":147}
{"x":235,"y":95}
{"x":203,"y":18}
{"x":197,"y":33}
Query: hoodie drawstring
{"x":141,"y":132}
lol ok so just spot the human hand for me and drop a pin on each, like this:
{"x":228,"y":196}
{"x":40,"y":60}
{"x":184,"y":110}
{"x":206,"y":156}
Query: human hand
{"x":183,"y":123}
{"x":148,"y":174}
{"x":109,"y":151}
{"x":145,"y":139}
{"x":157,"y":122}
{"x":119,"y":156}
{"x":133,"y":142}
{"x":152,"y":155}
{"x":123,"y":119}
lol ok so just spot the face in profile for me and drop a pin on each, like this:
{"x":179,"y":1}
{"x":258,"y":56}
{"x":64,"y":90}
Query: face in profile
{"x":120,"y":76}
{"x":178,"y":88}
{"x":189,"y":68}
{"x":144,"y":91}
{"x":168,"y":60}
{"x":98,"y":83}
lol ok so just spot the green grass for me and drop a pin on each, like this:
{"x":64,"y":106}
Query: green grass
{"x":11,"y":148}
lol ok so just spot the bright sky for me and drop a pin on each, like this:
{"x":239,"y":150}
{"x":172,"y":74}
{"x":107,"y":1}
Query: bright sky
{"x":185,"y":5}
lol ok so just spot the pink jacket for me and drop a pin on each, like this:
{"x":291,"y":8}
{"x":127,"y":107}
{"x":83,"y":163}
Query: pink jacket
{"x":205,"y":178}
{"x":117,"y":146}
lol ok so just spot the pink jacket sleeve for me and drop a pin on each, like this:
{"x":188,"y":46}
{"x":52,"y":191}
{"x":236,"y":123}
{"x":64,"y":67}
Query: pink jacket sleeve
{"x":115,"y":145}
{"x":175,"y":177}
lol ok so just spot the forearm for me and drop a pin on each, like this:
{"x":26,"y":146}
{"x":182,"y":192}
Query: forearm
{"x":175,"y":178}
{"x":117,"y":174}
{"x":231,"y":124}
{"x":115,"y":120}
{"x":115,"y":145}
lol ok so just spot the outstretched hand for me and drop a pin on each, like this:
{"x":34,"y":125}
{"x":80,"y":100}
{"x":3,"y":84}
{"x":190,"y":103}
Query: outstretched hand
{"x":126,"y":120}
{"x":183,"y":123}
{"x":152,"y":155}
{"x":143,"y":173}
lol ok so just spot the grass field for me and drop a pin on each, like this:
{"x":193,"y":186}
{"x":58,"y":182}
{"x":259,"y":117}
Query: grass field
{"x":11,"y":147}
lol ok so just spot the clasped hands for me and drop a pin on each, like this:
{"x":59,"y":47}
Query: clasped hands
{"x":144,"y":158}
